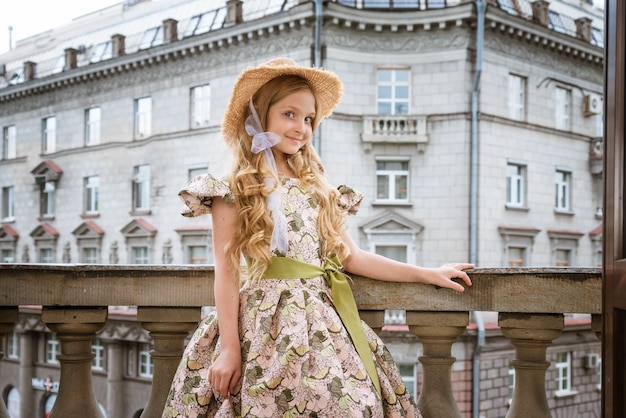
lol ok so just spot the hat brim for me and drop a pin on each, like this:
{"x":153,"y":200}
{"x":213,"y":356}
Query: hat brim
{"x":326,"y":86}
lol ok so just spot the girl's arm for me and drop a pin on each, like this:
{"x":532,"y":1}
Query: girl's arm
{"x":226,"y":370}
{"x":376,"y":266}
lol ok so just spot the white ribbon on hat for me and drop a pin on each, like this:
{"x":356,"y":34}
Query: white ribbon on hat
{"x":264,"y":141}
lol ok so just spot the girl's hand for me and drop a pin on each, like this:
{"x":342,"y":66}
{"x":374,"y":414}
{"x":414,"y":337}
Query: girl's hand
{"x":225,"y":372}
{"x":442,"y":276}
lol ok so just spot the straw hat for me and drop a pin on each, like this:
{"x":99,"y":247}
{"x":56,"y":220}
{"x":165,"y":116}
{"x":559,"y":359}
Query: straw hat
{"x":326,"y":86}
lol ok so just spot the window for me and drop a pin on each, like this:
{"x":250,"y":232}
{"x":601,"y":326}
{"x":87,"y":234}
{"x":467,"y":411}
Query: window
{"x":563,"y":101}
{"x":13,"y":345}
{"x":92,"y":191}
{"x":516,"y":185}
{"x":143,"y":117}
{"x":392,"y":180}
{"x":9,"y":146}
{"x":516,"y":256}
{"x":89,"y":256}
{"x":92,"y":126}
{"x":511,"y":381}
{"x":393,"y":91}
{"x":145,"y":361}
{"x":563,"y":257}
{"x":198,"y":254}
{"x":151,"y":37}
{"x":193,"y":172}
{"x":46,"y":198}
{"x":102,"y":51}
{"x":517,"y":97}
{"x":46,"y":255}
{"x":564,"y":373}
{"x":49,"y":135}
{"x":200,"y":106}
{"x":140,"y":255}
{"x":563,"y":180}
{"x":98,"y":349}
{"x":8,"y":255}
{"x":141,"y":188}
{"x":398,"y":253}
{"x":8,"y":203}
{"x":408,"y":372}
{"x":52,"y":349}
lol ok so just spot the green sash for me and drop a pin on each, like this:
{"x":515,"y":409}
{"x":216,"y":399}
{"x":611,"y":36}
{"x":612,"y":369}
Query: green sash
{"x":286,"y":267}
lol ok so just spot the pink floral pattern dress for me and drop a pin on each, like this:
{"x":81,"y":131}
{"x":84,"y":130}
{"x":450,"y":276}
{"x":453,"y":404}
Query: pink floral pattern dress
{"x":298,"y":359}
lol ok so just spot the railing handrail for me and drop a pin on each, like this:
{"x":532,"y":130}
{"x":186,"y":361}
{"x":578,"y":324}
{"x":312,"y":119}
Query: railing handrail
{"x":532,"y":289}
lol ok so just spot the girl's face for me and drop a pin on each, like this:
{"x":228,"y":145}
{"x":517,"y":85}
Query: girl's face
{"x":291,"y":118}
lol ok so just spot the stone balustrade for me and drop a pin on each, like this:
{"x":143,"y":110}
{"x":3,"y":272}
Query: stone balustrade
{"x":531,"y":303}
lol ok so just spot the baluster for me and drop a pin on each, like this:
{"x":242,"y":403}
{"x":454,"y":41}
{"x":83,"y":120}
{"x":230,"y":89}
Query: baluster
{"x":168,"y":328}
{"x":8,"y":319}
{"x":75,"y":328}
{"x":437,"y":331}
{"x":531,"y":335}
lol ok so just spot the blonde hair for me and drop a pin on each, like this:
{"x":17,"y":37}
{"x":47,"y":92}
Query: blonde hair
{"x":255,"y":225}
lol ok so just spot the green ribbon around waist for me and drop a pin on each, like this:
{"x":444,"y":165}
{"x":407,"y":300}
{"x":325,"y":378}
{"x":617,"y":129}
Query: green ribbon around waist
{"x":286,"y":267}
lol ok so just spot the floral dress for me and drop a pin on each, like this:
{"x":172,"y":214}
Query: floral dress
{"x":298,"y":359}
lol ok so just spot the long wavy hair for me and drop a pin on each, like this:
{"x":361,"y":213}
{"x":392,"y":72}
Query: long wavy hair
{"x":255,"y":226}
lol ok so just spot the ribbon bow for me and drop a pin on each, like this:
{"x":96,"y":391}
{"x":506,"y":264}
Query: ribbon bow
{"x":343,"y":300}
{"x":263,"y":142}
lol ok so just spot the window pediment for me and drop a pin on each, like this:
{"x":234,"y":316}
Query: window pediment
{"x":47,"y":171}
{"x":139,"y":228}
{"x":88,"y":229}
{"x":8,"y":234}
{"x":44,"y":232}
{"x":391,"y":222}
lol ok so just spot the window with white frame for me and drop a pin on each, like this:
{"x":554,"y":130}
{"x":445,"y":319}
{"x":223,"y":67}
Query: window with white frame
{"x":195,"y":171}
{"x":563,"y":108}
{"x":516,"y":185}
{"x":517,"y":97}
{"x":92,"y":126}
{"x":598,"y":195}
{"x":516,"y":256}
{"x":517,"y":245}
{"x":140,"y":255}
{"x":49,"y":135}
{"x":46,"y":255}
{"x":562,"y":257}
{"x":511,"y":383}
{"x":8,"y":203}
{"x":563,"y":367}
{"x":52,"y":349}
{"x":393,"y":92}
{"x":89,"y":255}
{"x":408,"y":373}
{"x":141,"y":188}
{"x":200,"y":106}
{"x":392,"y":180}
{"x":13,"y":345}
{"x":196,"y":245}
{"x":198,"y":254}
{"x":46,"y":198}
{"x":98,"y":350}
{"x":146,"y":367}
{"x":143,"y":117}
{"x":8,"y":255}
{"x":9,"y":142}
{"x":92,"y":194}
{"x":398,"y":253}
{"x":598,"y":258}
{"x":563,"y":187}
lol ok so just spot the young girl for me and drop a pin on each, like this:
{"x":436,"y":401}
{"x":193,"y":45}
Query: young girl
{"x":288,"y":341}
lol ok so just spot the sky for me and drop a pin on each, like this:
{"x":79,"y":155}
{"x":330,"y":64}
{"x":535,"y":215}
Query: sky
{"x":29,"y":17}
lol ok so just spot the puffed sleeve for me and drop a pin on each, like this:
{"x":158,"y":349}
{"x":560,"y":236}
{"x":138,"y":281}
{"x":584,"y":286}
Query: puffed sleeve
{"x":198,"y":194}
{"x":349,"y":199}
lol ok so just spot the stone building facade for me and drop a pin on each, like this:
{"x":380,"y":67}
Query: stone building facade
{"x":473,"y":147}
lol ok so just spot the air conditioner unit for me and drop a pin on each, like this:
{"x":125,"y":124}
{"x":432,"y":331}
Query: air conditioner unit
{"x":592,"y":361}
{"x":593,"y":104}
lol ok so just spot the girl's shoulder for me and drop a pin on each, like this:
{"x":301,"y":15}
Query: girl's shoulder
{"x":198,"y":194}
{"x":349,"y":199}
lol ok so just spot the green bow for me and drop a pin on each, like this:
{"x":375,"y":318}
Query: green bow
{"x":286,"y":267}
